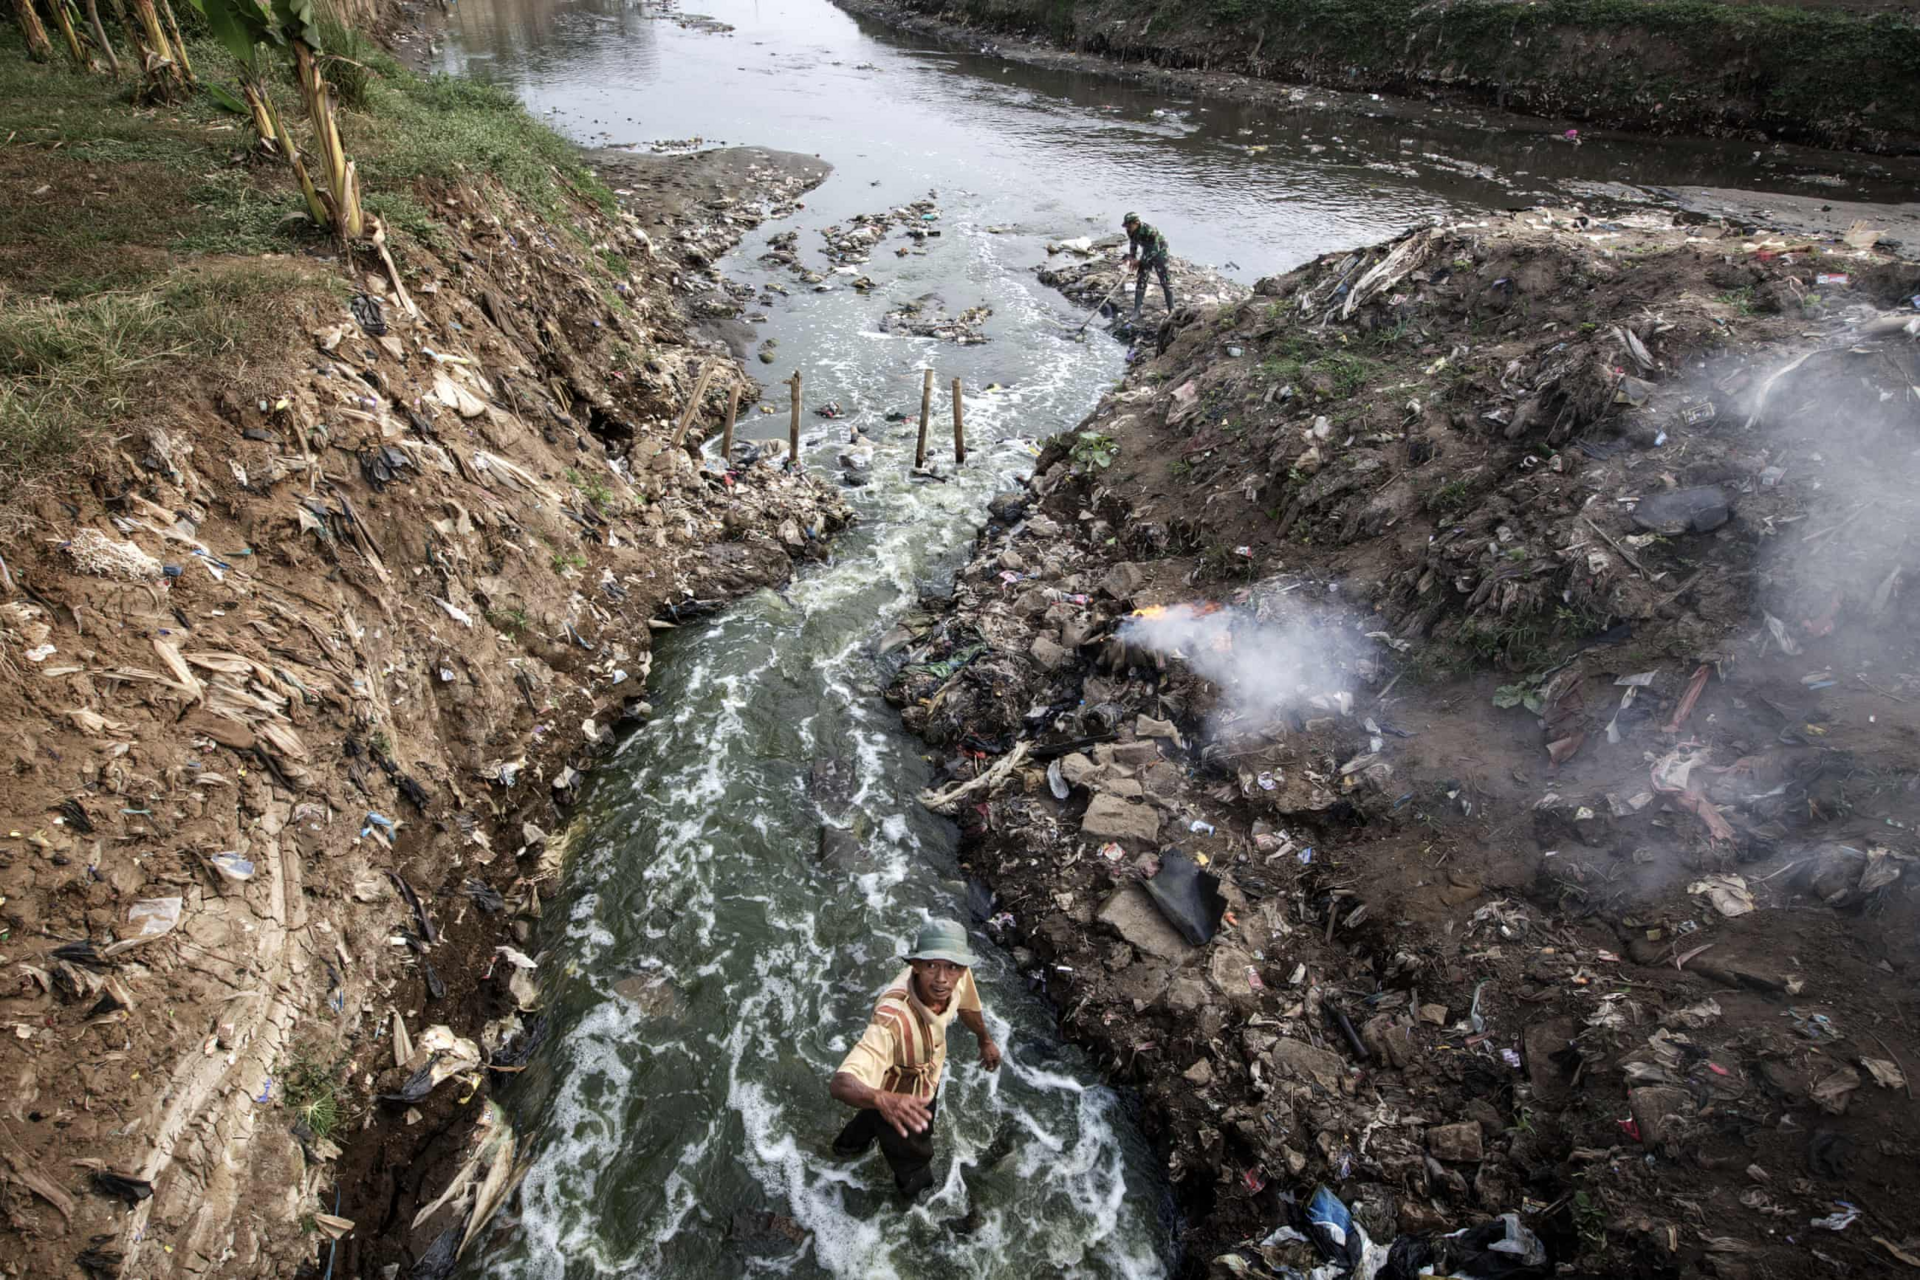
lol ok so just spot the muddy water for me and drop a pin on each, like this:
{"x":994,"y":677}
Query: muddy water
{"x":680,"y":1122}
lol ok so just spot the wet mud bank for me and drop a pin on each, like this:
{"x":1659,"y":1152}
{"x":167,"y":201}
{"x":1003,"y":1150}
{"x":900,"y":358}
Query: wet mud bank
{"x":303,"y":683}
{"x":1440,"y":732}
{"x":1829,"y":77}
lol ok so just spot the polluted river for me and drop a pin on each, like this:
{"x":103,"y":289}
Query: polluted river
{"x":707,"y":967}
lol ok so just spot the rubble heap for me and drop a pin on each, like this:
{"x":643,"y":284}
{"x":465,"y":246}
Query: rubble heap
{"x":1437,"y":810}
{"x":1089,"y":273}
{"x":928,"y":317}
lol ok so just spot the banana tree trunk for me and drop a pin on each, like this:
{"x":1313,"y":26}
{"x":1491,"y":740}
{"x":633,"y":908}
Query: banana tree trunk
{"x":100,"y":36}
{"x":264,"y":124}
{"x":316,"y":205}
{"x":38,"y":46}
{"x":160,"y":70}
{"x":66,"y":29}
{"x":342,"y":182}
{"x":179,"y":45}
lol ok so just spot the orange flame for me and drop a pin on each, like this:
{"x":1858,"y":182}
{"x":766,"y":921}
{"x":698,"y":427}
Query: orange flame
{"x":1200,"y":610}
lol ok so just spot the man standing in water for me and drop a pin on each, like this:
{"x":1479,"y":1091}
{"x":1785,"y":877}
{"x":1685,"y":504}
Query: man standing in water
{"x":1146,"y":251}
{"x":892,"y":1074}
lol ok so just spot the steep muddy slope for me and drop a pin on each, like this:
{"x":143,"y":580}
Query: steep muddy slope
{"x":300,"y":664}
{"x":1491,"y":648}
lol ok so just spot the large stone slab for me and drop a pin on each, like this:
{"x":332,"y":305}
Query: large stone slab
{"x":1111,"y":818}
{"x":1129,"y":912}
{"x":1298,"y":1060}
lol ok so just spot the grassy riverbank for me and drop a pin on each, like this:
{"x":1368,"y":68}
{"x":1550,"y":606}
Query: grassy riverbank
{"x":145,"y":247}
{"x":1826,"y":76}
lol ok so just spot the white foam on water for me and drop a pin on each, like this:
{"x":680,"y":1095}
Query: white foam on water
{"x":697,"y":866}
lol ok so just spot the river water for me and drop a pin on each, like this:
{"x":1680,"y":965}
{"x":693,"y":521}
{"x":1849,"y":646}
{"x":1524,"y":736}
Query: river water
{"x":686,"y":1133}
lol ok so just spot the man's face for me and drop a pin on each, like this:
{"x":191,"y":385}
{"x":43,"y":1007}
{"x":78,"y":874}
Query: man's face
{"x":1131,"y":224}
{"x":936,"y":979}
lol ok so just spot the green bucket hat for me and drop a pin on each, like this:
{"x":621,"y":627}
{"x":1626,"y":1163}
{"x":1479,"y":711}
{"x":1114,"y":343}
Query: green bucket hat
{"x":1132,"y":217}
{"x":943,"y":940}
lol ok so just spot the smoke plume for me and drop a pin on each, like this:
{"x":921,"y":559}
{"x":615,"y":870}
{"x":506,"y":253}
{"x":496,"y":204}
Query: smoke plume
{"x":1263,"y":669}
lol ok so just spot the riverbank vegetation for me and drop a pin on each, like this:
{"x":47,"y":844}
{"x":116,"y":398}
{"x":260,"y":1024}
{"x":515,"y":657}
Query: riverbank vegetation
{"x":1820,"y":74}
{"x":152,"y":237}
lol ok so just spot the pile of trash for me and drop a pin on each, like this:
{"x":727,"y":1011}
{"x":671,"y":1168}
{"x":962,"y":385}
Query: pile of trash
{"x":927,"y":317}
{"x":850,"y":247}
{"x":1092,"y":275}
{"x":1503,"y":980}
{"x":853,"y":245}
{"x":698,"y":204}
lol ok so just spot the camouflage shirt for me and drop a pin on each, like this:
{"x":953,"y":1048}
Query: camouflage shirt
{"x":1147,"y":244}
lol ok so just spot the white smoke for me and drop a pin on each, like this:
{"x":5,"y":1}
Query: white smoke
{"x":1262,"y":669}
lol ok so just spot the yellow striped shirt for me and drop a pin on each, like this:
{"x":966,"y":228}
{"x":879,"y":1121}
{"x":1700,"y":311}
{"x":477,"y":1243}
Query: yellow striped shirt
{"x":904,"y":1048}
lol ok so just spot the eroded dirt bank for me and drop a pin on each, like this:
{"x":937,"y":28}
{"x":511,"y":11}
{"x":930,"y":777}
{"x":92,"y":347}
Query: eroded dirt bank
{"x":1827,"y":75}
{"x":1512,"y":617}
{"x":301,"y":672}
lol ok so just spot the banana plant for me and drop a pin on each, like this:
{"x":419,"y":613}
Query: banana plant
{"x":100,"y":36}
{"x":80,"y":58}
{"x":243,"y":28}
{"x":159,"y":65}
{"x":298,"y":24}
{"x":179,"y":45}
{"x":38,"y":46}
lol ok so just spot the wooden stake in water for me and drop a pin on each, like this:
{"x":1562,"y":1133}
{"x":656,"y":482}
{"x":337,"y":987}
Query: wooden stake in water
{"x":959,"y":428}
{"x":693,"y":405}
{"x":926,"y":410}
{"x":726,"y":435}
{"x":793,"y":424}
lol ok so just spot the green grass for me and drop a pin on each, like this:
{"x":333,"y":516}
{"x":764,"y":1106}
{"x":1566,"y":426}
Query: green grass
{"x":446,"y":130}
{"x":176,"y":179}
{"x":1450,"y":498}
{"x":141,"y":248}
{"x":510,"y":622}
{"x":71,"y":368}
{"x":348,"y":61}
{"x":1349,"y":373}
{"x":311,"y":1090}
{"x":594,"y":489}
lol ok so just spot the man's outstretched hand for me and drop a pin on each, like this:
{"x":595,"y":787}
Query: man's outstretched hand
{"x":989,"y":1055}
{"x":1130,"y":264}
{"x":907,"y":1114}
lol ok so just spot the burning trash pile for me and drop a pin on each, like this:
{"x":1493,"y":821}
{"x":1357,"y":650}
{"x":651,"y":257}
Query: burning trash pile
{"x":1419,"y":970}
{"x":1165,"y":773}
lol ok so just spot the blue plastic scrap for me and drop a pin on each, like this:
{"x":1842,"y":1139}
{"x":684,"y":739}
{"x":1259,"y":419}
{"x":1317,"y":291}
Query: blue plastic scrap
{"x":1327,"y":1213}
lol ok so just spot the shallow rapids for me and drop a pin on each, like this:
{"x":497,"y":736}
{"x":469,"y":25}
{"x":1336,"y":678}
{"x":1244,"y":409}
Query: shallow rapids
{"x":686,"y":1132}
